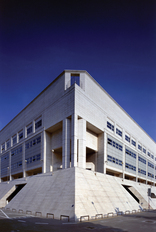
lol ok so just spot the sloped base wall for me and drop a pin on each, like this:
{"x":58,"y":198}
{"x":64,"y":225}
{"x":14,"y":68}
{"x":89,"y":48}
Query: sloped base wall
{"x":48,"y":193}
{"x":76,"y":192}
{"x":97,"y":193}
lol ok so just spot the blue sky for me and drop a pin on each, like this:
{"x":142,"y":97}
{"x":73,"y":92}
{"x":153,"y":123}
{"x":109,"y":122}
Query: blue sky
{"x":114,"y":40}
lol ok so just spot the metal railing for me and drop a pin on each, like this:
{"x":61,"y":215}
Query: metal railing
{"x":62,"y":216}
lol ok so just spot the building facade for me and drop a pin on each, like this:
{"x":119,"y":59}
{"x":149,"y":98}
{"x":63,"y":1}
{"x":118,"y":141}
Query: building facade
{"x":74,"y":122}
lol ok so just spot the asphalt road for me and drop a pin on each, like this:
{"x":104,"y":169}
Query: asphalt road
{"x":138,"y":222}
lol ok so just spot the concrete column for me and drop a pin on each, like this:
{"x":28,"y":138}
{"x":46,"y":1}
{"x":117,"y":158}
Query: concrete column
{"x":82,"y":143}
{"x":25,"y":132}
{"x":74,"y":141}
{"x":24,"y":160}
{"x":146,"y":170}
{"x":33,"y":126}
{"x":9,"y":171}
{"x":101,"y":154}
{"x":17,"y":139}
{"x":43,"y":155}
{"x":66,"y":143}
{"x":0,"y":169}
{"x":136,"y":167}
{"x":105,"y":151}
{"x":123,"y":160}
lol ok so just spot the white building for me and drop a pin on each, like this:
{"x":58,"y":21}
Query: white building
{"x":75,"y":124}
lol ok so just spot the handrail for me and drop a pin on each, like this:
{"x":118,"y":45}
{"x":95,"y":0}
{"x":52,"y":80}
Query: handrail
{"x":99,"y":214}
{"x":28,"y":212}
{"x":36,"y":213}
{"x":83,"y":217}
{"x":64,"y":216}
{"x":50,"y":214}
{"x":110,"y":214}
{"x":120,"y":213}
{"x":20,"y":210}
{"x":127,"y":211}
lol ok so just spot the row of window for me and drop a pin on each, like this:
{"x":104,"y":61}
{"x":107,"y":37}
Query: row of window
{"x":114,"y":160}
{"x":127,"y":138}
{"x":142,"y":171}
{"x":114,"y":144}
{"x":38,"y":124}
{"x":33,"y":159}
{"x":142,"y":160}
{"x":129,"y":166}
{"x":150,"y":165}
{"x":16,"y":165}
{"x":5,"y":157}
{"x":33,"y":142}
{"x":150,"y":175}
{"x":128,"y":152}
{"x":16,"y":151}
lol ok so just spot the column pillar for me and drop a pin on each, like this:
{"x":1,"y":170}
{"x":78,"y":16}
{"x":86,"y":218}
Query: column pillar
{"x":74,"y":141}
{"x":24,"y":160}
{"x":105,"y":151}
{"x":101,"y":164}
{"x":123,"y":161}
{"x":82,"y":143}
{"x":136,"y":167}
{"x":66,"y":144}
{"x":10,"y":177}
{"x":43,"y":152}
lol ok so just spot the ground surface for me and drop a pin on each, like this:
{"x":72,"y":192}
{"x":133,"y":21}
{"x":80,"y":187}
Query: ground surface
{"x":19,"y":222}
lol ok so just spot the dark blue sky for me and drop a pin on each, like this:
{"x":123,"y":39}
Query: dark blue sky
{"x":114,"y":40}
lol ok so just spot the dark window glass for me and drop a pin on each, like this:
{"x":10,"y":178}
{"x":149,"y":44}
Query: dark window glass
{"x":21,"y":135}
{"x":29,"y":130}
{"x":38,"y":124}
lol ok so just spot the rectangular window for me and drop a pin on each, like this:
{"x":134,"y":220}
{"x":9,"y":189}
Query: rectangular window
{"x":14,"y":140}
{"x":39,"y":139}
{"x":110,"y":126}
{"x":119,"y":132}
{"x":139,"y":147}
{"x":8,"y":144}
{"x":149,"y":154}
{"x":38,"y":124}
{"x":133,"y":143}
{"x":75,"y":78}
{"x":144,"y":150}
{"x":3,"y":147}
{"x":127,"y":138}
{"x":20,"y":135}
{"x":27,"y":145}
{"x":29,"y":130}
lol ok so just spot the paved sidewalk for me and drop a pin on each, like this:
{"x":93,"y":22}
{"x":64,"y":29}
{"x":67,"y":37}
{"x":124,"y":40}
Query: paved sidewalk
{"x":139,"y":222}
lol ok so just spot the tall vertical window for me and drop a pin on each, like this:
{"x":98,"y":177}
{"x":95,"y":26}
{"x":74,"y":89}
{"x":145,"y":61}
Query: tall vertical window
{"x":38,"y":124}
{"x":75,"y":78}
{"x":20,"y":135}
{"x":8,"y":144}
{"x":29,"y":129}
{"x":119,"y":132}
{"x":133,"y":143}
{"x":3,"y":147}
{"x":139,"y":147}
{"x":110,"y":126}
{"x":14,"y":139}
